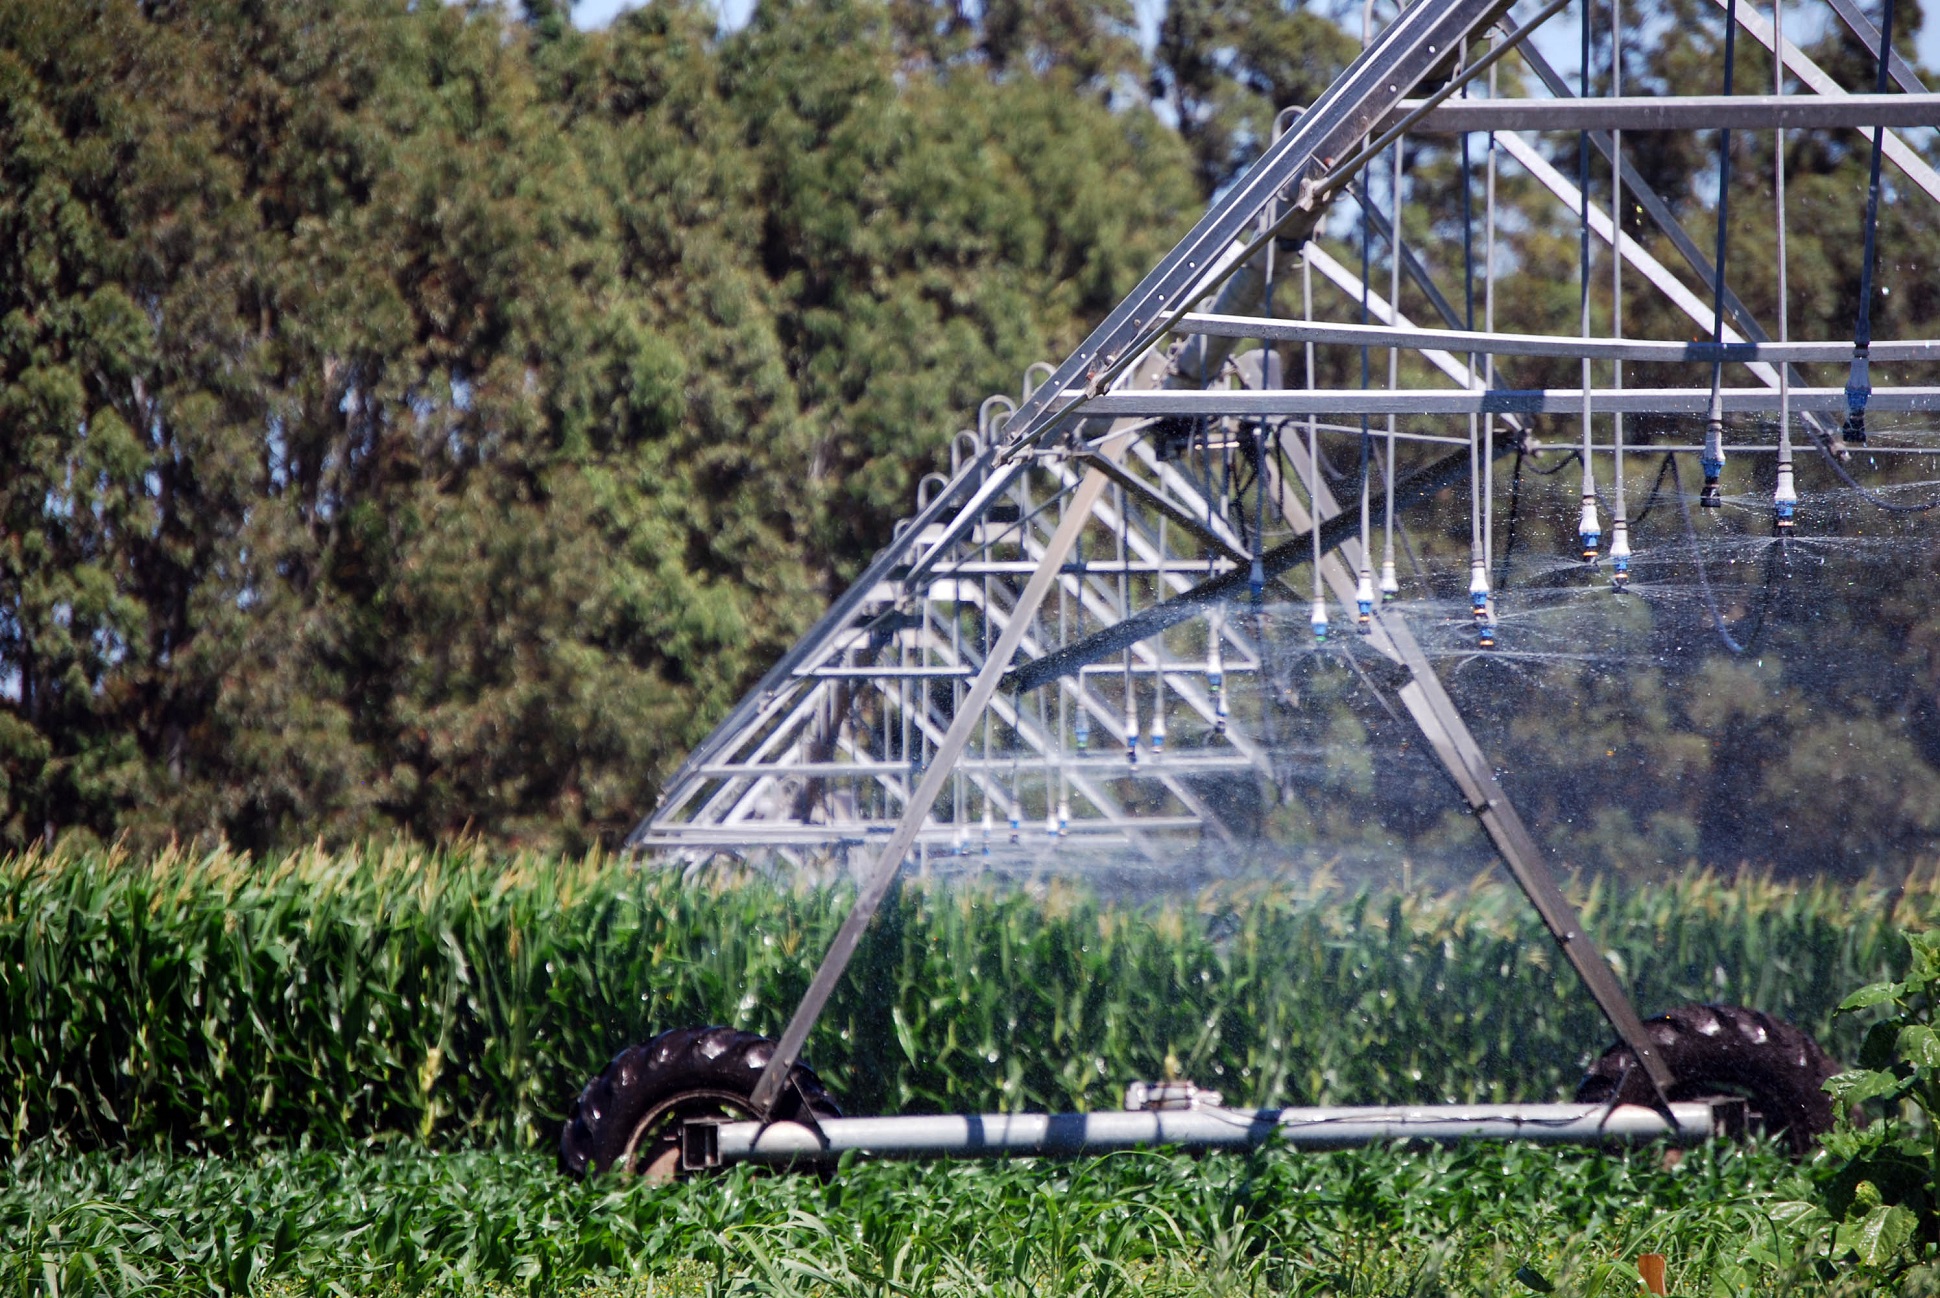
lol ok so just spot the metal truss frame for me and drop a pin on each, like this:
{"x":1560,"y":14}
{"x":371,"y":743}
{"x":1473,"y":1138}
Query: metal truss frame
{"x":1043,"y":654}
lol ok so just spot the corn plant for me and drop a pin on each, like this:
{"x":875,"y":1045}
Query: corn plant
{"x":458,"y":999}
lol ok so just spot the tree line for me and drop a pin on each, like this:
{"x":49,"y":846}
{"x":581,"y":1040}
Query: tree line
{"x":421,"y":417}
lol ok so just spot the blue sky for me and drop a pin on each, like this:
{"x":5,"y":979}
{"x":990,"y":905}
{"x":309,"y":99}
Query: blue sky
{"x":598,"y":13}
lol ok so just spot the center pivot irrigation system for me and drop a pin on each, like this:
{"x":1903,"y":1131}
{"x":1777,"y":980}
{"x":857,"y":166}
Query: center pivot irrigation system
{"x":1077,"y":588}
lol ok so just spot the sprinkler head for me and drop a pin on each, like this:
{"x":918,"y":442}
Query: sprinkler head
{"x":1485,"y":635}
{"x":1712,"y":462}
{"x":1390,"y":586}
{"x":1589,"y":530}
{"x":1364,"y":602}
{"x":1785,"y":500}
{"x":1859,"y":389}
{"x":1320,"y":621}
{"x":1620,"y":556}
{"x":1157,"y":741}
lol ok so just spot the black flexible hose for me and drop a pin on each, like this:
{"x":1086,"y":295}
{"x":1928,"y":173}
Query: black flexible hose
{"x":1859,"y":385}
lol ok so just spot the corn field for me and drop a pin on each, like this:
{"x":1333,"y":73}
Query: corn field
{"x":455,"y":999}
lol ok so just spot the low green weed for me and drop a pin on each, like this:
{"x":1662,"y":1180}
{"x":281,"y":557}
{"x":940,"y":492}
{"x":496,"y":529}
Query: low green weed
{"x":1880,"y":1172}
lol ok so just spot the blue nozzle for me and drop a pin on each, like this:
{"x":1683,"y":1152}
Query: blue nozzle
{"x":1859,"y":390}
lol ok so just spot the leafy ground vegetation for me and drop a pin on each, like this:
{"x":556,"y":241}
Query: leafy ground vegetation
{"x":345,"y":1071}
{"x":1483,"y":1220}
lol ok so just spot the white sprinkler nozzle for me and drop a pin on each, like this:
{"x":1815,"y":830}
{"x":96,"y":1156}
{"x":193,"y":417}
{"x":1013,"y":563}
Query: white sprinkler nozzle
{"x":987,"y":828}
{"x":962,"y":844}
{"x":1478,"y":599}
{"x":1081,"y":728}
{"x":1620,"y":554}
{"x":1785,"y":500}
{"x":1390,"y":584}
{"x":1364,"y":600}
{"x":1215,"y":666}
{"x":1589,"y":530}
{"x":1158,"y":731}
{"x":1131,"y":733}
{"x":1320,"y":619}
{"x":1064,"y":817}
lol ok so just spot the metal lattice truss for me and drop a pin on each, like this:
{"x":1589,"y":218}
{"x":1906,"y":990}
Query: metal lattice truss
{"x":1115,"y":522}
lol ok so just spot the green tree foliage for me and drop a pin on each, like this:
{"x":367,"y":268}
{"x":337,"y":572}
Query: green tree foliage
{"x":419,"y":419}
{"x":1224,"y":68}
{"x":423,"y":414}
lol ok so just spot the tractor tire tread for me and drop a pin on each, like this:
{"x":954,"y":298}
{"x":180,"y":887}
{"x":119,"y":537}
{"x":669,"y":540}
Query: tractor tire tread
{"x":603,"y":1117}
{"x":1714,"y":1049}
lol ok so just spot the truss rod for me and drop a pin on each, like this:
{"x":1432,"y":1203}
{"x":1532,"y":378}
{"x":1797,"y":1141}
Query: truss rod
{"x":1509,"y":344}
{"x":859,"y":832}
{"x":1680,"y":113}
{"x":1528,"y":401}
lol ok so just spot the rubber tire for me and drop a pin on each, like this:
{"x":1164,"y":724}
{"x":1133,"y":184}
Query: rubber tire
{"x":1727,"y":1050}
{"x":686,"y":1060}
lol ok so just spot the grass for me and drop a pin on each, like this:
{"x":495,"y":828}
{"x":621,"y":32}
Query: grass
{"x":1374,"y":1222}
